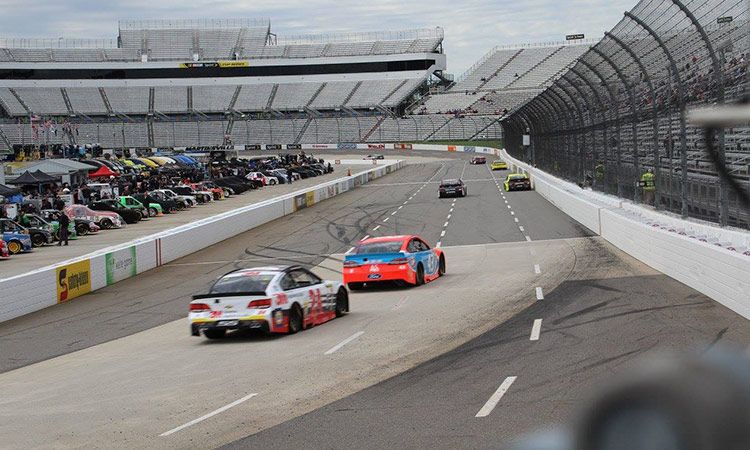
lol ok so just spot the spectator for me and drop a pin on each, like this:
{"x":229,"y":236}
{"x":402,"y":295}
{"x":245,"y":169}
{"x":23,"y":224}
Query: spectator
{"x":64,"y":222}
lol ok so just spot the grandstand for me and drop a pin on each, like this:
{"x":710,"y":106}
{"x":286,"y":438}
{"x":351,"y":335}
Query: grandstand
{"x":504,"y":79}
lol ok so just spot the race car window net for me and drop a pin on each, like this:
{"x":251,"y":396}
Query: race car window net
{"x":378,"y":247}
{"x":255,"y":284}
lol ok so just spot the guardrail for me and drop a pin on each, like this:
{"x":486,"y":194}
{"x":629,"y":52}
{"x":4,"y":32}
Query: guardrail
{"x":63,"y":282}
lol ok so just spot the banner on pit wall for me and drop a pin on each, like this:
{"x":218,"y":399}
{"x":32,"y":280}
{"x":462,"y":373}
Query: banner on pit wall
{"x":470,"y":149}
{"x":451,"y":148}
{"x":294,"y":146}
{"x":300,"y":202}
{"x":220,"y":64}
{"x":376,"y":146}
{"x":253,"y":147}
{"x":73,"y":280}
{"x":403,"y":147}
{"x":322,"y":146}
{"x":121,"y":265}
{"x":273,"y":146}
{"x":310,"y":198}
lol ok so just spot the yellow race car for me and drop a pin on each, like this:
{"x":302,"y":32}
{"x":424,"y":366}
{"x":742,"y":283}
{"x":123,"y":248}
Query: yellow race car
{"x":499,"y":165}
{"x":517,"y":182}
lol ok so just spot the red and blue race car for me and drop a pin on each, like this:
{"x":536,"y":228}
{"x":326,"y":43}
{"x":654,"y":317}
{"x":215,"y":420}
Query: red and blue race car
{"x":403,"y":259}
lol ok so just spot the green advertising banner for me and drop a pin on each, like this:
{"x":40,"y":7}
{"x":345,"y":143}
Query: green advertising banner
{"x":121,"y":265}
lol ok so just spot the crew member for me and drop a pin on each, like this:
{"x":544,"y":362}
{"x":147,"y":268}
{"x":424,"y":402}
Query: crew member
{"x":648,"y":182}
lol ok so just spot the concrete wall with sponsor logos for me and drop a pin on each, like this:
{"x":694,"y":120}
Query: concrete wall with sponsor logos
{"x":66,"y":281}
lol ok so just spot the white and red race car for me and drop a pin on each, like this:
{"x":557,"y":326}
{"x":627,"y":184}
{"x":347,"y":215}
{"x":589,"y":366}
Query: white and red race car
{"x":272,"y":299}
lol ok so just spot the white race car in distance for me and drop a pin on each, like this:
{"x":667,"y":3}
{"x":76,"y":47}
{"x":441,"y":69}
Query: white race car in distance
{"x":272,"y":299}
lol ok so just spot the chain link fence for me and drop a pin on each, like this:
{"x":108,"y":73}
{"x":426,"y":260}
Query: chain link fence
{"x":616,"y":120}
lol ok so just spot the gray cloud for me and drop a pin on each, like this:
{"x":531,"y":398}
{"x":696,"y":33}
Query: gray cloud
{"x":472,"y":27}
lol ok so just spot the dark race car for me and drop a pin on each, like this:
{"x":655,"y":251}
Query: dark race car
{"x":130,"y":216}
{"x":455,"y":188}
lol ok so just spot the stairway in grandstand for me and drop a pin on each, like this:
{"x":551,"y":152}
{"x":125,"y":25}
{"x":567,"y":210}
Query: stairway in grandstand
{"x":5,"y":145}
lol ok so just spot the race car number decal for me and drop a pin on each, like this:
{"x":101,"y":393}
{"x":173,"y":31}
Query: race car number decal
{"x":282,"y":299}
{"x":216,"y":314}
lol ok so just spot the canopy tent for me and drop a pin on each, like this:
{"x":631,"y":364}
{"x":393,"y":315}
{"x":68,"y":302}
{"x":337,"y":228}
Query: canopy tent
{"x":33,"y":179}
{"x":45,"y":178}
{"x":103,"y":172}
{"x":7,"y":191}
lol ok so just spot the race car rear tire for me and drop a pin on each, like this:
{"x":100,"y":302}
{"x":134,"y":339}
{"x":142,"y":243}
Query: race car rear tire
{"x":15,"y":247}
{"x":420,"y":275}
{"x":215,"y":334}
{"x":441,"y":265}
{"x":295,"y":319}
{"x":355,"y":286}
{"x":342,"y":303}
{"x":106,"y":224}
{"x":38,"y":240}
{"x":152,"y":212}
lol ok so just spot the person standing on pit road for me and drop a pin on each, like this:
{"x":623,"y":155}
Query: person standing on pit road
{"x":64,"y":222}
{"x":289,"y":175}
{"x":649,"y":187}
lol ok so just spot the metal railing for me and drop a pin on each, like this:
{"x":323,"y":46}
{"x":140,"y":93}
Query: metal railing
{"x":620,"y":111}
{"x":364,"y":36}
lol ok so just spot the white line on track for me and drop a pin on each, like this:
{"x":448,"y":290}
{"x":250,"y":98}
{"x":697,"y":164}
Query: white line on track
{"x":376,"y":228}
{"x":462,"y":172}
{"x":394,"y":213}
{"x":209,"y":415}
{"x":400,"y":304}
{"x":400,"y":208}
{"x":451,"y":211}
{"x":442,"y":234}
{"x":509,"y":207}
{"x":439,"y":244}
{"x":386,"y":219}
{"x":366,"y":237}
{"x":521,"y":228}
{"x":338,"y":346}
{"x":406,"y":202}
{"x":535,"y":330}
{"x":516,"y":219}
{"x":495,"y":398}
{"x":528,"y":238}
{"x":537,"y":269}
{"x":350,"y":250}
{"x":449,"y":216}
{"x":445,"y":225}
{"x":512,"y":213}
{"x":539,"y":293}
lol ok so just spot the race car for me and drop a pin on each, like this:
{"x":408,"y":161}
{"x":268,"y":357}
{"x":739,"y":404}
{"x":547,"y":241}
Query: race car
{"x":499,"y":165}
{"x":284,"y":299}
{"x":479,"y":160}
{"x":374,"y":157}
{"x":16,"y":237}
{"x":456,"y":188}
{"x":517,"y":182}
{"x":403,"y":259}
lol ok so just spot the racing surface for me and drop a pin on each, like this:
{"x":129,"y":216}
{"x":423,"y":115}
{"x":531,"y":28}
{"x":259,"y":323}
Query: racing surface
{"x":407,"y":367}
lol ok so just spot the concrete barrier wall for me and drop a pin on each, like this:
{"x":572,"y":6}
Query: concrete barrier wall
{"x":709,"y":259}
{"x":24,"y":294}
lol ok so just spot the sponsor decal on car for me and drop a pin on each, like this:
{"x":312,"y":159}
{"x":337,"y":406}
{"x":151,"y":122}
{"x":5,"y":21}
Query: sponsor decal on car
{"x":120,"y":265}
{"x":73,"y":280}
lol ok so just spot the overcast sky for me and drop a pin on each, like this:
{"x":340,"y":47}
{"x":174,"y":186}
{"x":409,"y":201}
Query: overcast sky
{"x":472,"y":27}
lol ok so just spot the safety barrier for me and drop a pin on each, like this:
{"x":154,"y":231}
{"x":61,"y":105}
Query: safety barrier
{"x":59,"y":283}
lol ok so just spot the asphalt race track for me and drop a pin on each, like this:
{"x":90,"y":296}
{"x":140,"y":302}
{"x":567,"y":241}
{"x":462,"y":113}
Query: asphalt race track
{"x":533,"y":314}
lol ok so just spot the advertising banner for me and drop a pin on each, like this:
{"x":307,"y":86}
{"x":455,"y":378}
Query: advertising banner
{"x":121,"y":265}
{"x":294,"y":146}
{"x":253,"y":147}
{"x":300,"y":202}
{"x":273,"y":146}
{"x":321,"y":146}
{"x":402,"y":146}
{"x":376,"y":146}
{"x":347,"y":146}
{"x":451,"y":148}
{"x":470,"y":149}
{"x":310,"y":198}
{"x":73,"y":280}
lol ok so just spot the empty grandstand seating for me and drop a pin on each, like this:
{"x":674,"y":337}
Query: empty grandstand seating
{"x":253,"y":97}
{"x":170,"y":99}
{"x":128,"y":100}
{"x":333,"y":95}
{"x":549,"y":67}
{"x":294,"y":96}
{"x":86,"y":100}
{"x":212,"y":98}
{"x":43,"y":100}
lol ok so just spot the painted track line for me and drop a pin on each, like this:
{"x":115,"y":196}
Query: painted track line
{"x":539,"y":293}
{"x":209,"y":415}
{"x":537,"y":269}
{"x":536,"y":329}
{"x":376,"y":228}
{"x":495,"y":398}
{"x":338,"y":346}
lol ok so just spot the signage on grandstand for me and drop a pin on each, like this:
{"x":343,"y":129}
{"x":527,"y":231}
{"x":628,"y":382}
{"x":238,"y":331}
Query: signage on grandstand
{"x":725,"y":19}
{"x":221,"y":64}
{"x":574,"y":37}
{"x":294,"y":146}
{"x":253,"y":147}
{"x":273,"y":146}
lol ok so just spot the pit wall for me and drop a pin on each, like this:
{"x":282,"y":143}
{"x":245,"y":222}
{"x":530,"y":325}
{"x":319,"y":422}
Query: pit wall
{"x":712,"y":260}
{"x":63,"y":282}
